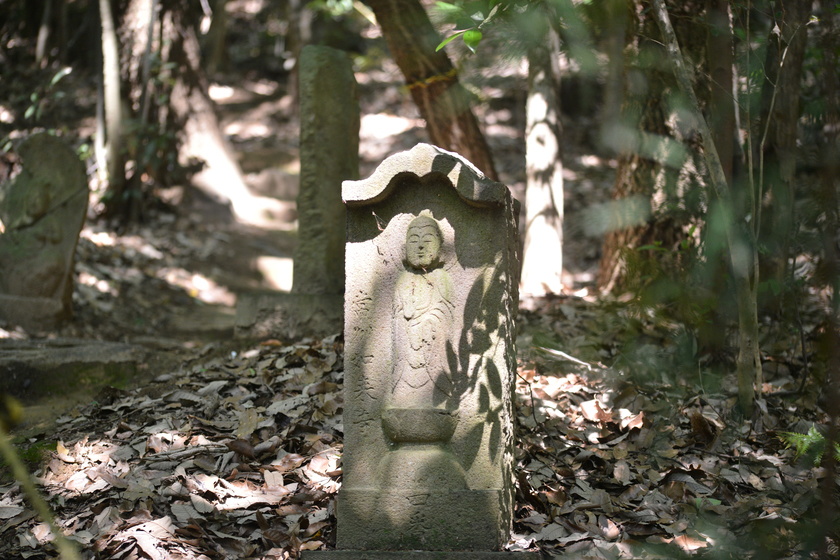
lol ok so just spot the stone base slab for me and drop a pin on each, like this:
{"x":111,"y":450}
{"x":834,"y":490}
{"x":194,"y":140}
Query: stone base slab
{"x":418,"y":519}
{"x":34,"y":369}
{"x":415,"y":555}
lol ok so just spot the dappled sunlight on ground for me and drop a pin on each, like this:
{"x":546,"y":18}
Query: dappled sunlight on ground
{"x":241,"y":451}
{"x":198,"y":286}
{"x":277,"y":272}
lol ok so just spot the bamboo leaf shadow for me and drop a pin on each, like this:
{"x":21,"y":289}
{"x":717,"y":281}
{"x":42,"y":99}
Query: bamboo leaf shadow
{"x":494,"y":378}
{"x":495,"y":435}
{"x":483,"y":399}
{"x":472,"y":443}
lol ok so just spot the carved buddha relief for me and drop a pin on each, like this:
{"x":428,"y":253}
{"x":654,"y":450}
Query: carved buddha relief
{"x":422,"y":313}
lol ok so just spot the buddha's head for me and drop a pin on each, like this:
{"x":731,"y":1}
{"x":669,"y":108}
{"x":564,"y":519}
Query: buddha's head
{"x":422,"y":243}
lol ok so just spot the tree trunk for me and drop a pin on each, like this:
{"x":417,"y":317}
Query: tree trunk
{"x":745,"y":274}
{"x":432,"y":80}
{"x":542,"y":258}
{"x":721,"y":111}
{"x":649,"y":169}
{"x":116,"y":200}
{"x":779,"y":132}
{"x":217,"y":58}
{"x":188,"y":111}
{"x":829,"y":188}
{"x":43,"y":35}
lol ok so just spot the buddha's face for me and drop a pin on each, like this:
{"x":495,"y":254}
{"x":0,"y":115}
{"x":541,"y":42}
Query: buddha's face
{"x":422,"y":246}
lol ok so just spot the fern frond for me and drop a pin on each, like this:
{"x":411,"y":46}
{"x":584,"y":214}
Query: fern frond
{"x":812,"y":443}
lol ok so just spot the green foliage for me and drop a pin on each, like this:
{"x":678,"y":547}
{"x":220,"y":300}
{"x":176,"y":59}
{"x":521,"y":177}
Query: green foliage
{"x":469,"y":19}
{"x":810,"y":445}
{"x":41,"y":97}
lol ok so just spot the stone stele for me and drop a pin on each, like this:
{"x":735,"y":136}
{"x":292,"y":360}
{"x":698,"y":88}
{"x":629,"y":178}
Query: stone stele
{"x":329,"y":154}
{"x":42,"y":210}
{"x":432,"y":273}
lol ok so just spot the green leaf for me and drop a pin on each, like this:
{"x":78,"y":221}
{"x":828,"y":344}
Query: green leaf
{"x":60,"y":74}
{"x":450,"y":11}
{"x":449,"y":39}
{"x":472,"y":37}
{"x":656,"y":246}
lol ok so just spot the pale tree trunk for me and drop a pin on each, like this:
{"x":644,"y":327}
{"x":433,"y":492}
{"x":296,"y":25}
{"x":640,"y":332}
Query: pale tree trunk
{"x":433,"y":81}
{"x":745,"y":271}
{"x":542,"y":257}
{"x":299,"y":18}
{"x":43,"y":35}
{"x":113,"y":152}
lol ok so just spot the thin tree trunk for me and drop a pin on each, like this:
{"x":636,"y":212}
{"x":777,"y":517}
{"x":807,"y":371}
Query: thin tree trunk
{"x":542,"y":258}
{"x":43,"y":34}
{"x":745,"y":273}
{"x":113,"y":111}
{"x":829,"y":188}
{"x":779,"y":130}
{"x":719,"y":40}
{"x":433,"y":81}
{"x":217,"y":39}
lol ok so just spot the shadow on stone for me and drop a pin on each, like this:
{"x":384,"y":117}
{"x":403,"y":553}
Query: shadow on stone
{"x":432,"y":270}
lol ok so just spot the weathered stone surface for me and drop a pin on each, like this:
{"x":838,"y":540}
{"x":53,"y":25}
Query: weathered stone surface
{"x":31,"y":370}
{"x":329,"y":154}
{"x":42,"y":211}
{"x":429,"y":358}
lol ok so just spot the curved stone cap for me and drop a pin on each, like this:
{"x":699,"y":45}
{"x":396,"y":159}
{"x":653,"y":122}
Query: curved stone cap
{"x":421,"y":160}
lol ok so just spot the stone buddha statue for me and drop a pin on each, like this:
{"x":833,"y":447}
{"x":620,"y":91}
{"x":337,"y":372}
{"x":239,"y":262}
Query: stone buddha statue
{"x":422,"y":315}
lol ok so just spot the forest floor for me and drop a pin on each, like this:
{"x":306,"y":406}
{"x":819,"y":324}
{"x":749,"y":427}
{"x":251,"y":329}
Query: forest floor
{"x":622,"y":451}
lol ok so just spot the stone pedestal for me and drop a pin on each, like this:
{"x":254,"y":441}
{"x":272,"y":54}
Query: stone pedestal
{"x":429,"y":362}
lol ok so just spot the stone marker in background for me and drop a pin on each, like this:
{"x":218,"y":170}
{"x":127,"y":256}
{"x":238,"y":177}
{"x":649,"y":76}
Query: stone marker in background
{"x":432,"y":273}
{"x":42,"y":210}
{"x":329,"y":154}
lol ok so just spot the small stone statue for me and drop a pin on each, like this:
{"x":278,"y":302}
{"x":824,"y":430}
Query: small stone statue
{"x":430,"y":358}
{"x":422,"y":320}
{"x":42,"y":210}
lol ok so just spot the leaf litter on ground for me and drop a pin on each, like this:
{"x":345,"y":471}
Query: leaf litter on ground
{"x":239,"y":456}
